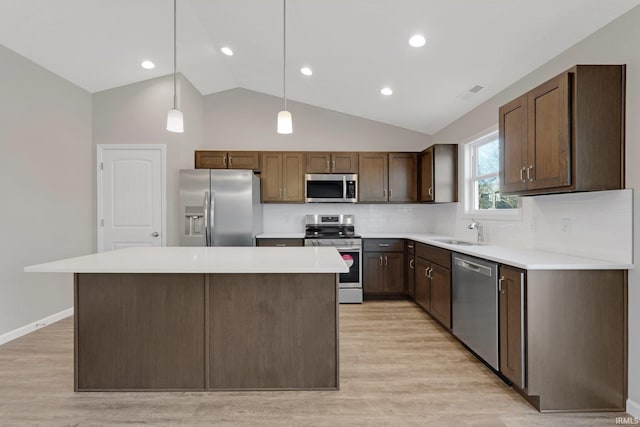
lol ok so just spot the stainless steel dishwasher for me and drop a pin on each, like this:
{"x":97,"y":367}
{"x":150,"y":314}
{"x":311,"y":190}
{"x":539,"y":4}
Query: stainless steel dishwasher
{"x":474,"y":307}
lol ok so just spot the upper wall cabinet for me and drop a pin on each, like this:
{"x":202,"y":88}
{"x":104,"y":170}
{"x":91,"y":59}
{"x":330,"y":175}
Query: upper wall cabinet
{"x":282,"y":177}
{"x":227,"y":160}
{"x":340,"y":162}
{"x":387,"y":177}
{"x":566,"y":134}
{"x":439,"y":174}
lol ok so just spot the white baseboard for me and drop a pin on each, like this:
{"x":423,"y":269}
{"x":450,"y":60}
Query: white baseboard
{"x":633,"y":408}
{"x":27,"y":329}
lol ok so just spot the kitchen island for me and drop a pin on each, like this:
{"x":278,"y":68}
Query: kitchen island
{"x":178,"y":318}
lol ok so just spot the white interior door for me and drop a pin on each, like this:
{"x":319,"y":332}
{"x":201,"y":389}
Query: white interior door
{"x":131,"y":194}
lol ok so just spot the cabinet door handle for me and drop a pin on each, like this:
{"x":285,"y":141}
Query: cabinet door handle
{"x":280,"y":192}
{"x":334,"y":166}
{"x":410,"y":246}
{"x":529,"y":170}
{"x":230,"y":160}
{"x":224,"y":161}
{"x":384,"y":193}
{"x":522,"y":174}
{"x":430,"y":275}
{"x":281,"y":245}
{"x":390,"y":193}
{"x":285,"y":191}
{"x":430,"y":192}
{"x":426,"y":272}
{"x":411,"y":264}
{"x":500,"y":282}
{"x":386,"y":261}
{"x":380,"y":261}
{"x":328,"y":169}
{"x":383,"y":245}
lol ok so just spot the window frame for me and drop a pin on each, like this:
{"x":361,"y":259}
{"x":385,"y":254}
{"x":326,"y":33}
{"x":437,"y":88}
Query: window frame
{"x":469,"y":179}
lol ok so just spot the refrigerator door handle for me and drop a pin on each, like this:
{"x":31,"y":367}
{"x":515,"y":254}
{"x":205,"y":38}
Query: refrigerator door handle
{"x":212,"y":207}
{"x":206,"y":218}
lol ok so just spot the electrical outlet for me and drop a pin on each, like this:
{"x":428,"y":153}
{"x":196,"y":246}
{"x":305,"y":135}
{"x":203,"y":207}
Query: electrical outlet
{"x":565,"y":225}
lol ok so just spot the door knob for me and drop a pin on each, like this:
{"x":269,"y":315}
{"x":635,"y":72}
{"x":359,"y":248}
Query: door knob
{"x":155,"y":234}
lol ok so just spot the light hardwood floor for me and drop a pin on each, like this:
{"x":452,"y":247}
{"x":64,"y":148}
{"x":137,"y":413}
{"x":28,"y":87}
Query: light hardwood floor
{"x":398,"y":367}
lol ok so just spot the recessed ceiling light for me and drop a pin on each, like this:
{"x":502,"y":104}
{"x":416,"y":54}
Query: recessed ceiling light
{"x":306,"y":71}
{"x":227,"y":51}
{"x":417,"y":40}
{"x":386,"y":91}
{"x":148,"y":65}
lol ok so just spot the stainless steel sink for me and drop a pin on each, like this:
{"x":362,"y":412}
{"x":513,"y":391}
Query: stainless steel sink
{"x":456,"y":242}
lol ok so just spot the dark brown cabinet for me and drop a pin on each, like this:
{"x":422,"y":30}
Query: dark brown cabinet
{"x":511,"y":290}
{"x":279,"y":242}
{"x":566,"y":134}
{"x":423,"y":284}
{"x":384,"y":267}
{"x":411,"y":269}
{"x":339,"y":162}
{"x":373,"y":177}
{"x":439,"y":174}
{"x":433,"y":282}
{"x":282,"y":177}
{"x":441,"y":294}
{"x":227,"y":160}
{"x":387,"y":177}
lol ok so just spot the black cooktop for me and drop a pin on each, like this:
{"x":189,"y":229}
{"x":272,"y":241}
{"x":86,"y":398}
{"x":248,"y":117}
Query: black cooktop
{"x":330,"y":232}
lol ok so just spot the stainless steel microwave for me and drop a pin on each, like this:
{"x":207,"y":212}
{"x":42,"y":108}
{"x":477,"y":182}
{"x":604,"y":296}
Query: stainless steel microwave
{"x":331,"y":188}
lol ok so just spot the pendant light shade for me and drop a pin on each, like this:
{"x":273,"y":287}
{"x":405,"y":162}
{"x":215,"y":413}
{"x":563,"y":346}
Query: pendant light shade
{"x":285,"y":122}
{"x":175,"y":120}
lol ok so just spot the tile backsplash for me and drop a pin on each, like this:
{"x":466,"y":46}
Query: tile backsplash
{"x":594,"y":224}
{"x":369,"y":218}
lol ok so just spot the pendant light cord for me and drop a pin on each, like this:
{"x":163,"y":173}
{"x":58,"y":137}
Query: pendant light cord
{"x":284,"y":50}
{"x":175,"y":102}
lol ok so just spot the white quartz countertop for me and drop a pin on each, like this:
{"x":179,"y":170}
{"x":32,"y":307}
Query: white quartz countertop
{"x":528,"y":259}
{"x":202,"y":260}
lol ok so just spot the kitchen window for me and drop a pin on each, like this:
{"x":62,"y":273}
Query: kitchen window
{"x":482,"y":180}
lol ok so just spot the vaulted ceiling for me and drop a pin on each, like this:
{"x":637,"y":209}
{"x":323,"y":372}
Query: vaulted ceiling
{"x":354,"y":47}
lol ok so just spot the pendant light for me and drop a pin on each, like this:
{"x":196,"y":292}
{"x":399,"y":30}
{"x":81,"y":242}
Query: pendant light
{"x":285,"y":124}
{"x":175,"y":120}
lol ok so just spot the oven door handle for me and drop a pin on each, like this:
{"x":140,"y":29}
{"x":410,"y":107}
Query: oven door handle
{"x":348,"y":249}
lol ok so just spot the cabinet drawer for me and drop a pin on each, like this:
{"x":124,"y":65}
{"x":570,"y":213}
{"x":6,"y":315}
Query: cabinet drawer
{"x":384,"y":245}
{"x":411,"y":246}
{"x":280,"y":242}
{"x":438,"y":255}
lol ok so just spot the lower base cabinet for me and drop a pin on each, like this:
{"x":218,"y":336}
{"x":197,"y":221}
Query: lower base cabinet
{"x":441,"y":294}
{"x":423,"y":284}
{"x":433,"y":282}
{"x":383,"y":268}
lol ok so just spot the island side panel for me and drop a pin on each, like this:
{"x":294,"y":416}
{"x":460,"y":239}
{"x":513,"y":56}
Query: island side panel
{"x":273,"y":331}
{"x":140,"y":331}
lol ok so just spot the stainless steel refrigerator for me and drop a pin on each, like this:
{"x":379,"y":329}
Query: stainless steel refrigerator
{"x":219,"y":207}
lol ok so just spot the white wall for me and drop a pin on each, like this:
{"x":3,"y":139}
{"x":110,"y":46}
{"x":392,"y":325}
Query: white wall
{"x":244,"y":119}
{"x":46,"y":187}
{"x":137,"y":114}
{"x":616,"y":43}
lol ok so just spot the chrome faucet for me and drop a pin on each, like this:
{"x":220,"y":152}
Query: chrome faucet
{"x":475,"y":225}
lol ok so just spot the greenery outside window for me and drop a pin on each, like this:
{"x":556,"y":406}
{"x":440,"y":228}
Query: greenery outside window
{"x":483,"y":198}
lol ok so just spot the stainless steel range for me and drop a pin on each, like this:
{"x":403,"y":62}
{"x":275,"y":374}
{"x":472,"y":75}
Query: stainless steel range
{"x":338,"y":231}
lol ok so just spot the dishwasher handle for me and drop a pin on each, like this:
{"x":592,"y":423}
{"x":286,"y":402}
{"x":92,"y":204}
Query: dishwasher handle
{"x":472,"y":266}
